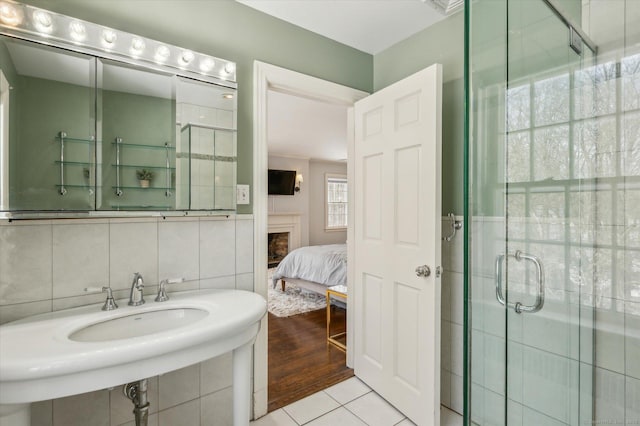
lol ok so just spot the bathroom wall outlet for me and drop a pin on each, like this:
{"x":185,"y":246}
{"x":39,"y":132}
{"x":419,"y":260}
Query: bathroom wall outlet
{"x":242,"y":194}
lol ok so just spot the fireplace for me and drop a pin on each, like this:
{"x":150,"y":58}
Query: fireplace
{"x":285,"y":228}
{"x":277,"y":248}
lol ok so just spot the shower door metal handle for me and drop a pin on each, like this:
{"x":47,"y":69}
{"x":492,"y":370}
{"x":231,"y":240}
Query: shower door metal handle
{"x":518,"y":306}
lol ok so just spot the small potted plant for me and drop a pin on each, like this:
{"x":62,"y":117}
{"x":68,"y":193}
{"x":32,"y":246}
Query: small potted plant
{"x":144,"y":176}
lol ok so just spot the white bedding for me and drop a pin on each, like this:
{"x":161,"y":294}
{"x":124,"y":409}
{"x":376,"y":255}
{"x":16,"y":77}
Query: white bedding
{"x":325,"y":264}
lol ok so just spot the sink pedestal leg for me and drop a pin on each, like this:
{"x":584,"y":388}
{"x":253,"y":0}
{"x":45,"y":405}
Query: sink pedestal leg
{"x":15,"y":415}
{"x":242,"y":385}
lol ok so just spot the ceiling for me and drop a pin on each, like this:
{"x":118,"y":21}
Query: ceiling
{"x":367,"y":25}
{"x":304,"y":128}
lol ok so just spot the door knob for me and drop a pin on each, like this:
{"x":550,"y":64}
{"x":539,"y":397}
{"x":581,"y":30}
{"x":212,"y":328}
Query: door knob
{"x":423,"y":271}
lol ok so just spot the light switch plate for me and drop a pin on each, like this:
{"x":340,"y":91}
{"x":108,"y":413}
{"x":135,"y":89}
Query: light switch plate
{"x":242,"y":194}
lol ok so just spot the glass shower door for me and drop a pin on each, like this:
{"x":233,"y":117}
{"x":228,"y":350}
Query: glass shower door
{"x":530,"y":251}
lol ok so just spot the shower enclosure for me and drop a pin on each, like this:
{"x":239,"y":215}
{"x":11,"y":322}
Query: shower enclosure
{"x":552,"y":208}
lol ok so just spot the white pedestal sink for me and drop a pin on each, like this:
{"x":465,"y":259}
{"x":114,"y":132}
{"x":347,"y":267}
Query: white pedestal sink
{"x":85,"y":349}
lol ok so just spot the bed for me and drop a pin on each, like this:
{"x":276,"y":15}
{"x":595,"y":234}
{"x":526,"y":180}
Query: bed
{"x":314,"y":267}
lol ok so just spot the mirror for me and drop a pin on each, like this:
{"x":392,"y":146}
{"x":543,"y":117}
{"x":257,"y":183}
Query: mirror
{"x":87,"y":133}
{"x":136,"y":115}
{"x":48,"y":130}
{"x":207,"y":140}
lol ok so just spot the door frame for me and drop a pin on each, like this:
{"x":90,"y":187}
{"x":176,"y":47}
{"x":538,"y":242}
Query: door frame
{"x":271,"y":77}
{"x":5,"y":97}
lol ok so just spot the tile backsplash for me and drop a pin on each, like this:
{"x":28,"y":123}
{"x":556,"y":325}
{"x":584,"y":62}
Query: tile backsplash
{"x":46,"y":264}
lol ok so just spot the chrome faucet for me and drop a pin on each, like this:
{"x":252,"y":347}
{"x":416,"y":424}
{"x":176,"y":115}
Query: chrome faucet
{"x":135,"y":297}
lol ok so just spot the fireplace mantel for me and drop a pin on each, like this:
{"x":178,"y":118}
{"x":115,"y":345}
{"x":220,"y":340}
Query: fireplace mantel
{"x":286,"y":222}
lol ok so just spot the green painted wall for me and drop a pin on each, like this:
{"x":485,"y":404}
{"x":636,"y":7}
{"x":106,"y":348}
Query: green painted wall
{"x":444,"y":43}
{"x":441,"y":43}
{"x":572,"y":9}
{"x":229,"y":30}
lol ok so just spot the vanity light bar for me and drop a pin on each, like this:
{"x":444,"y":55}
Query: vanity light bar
{"x":41,"y":25}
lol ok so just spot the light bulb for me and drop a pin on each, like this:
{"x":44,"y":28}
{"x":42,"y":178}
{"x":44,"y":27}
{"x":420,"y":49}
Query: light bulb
{"x":42,"y":21}
{"x":137,"y":46}
{"x":187,"y":56}
{"x":207,"y":64}
{"x":162,"y":53}
{"x":228,"y":96}
{"x":10,"y":14}
{"x":229,"y":67}
{"x":109,"y":37}
{"x":77,"y":30}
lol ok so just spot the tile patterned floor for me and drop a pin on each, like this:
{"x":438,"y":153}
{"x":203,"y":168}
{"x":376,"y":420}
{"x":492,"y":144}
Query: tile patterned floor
{"x":349,"y":403}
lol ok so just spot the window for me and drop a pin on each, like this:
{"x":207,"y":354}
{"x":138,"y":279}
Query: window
{"x":336,"y":197}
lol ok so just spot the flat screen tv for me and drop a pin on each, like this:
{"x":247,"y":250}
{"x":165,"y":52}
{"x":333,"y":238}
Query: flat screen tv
{"x":281,"y":182}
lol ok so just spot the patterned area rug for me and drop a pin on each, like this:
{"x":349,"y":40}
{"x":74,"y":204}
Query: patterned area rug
{"x":293,"y":300}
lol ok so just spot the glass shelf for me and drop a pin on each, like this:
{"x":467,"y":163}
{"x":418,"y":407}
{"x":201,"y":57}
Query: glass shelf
{"x":78,"y":140}
{"x":143,"y":146}
{"x":147,"y":188}
{"x":73,"y":163}
{"x":139,"y":166}
{"x":138,"y":207}
{"x":75,"y":186}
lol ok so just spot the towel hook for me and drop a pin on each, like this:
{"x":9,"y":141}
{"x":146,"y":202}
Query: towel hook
{"x":456,"y":225}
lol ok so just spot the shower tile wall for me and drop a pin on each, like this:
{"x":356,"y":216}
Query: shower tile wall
{"x":45,"y":265}
{"x":452,"y":315}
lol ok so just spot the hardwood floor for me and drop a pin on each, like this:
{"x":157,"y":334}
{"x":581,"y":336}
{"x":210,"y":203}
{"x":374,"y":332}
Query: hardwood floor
{"x":301,"y":362}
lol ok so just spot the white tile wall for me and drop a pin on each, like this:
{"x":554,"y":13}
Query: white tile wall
{"x":25,"y":264}
{"x":179,"y":386}
{"x":215,"y":374}
{"x":544,"y":349}
{"x":80,"y":257}
{"x":80,"y":410}
{"x":456,"y":393}
{"x":214,"y":408}
{"x":244,"y":246}
{"x":187,"y":414}
{"x":452,"y":315}
{"x":610,"y":340}
{"x":179,"y":248}
{"x":609,"y":395}
{"x":218,"y":253}
{"x":217,"y":248}
{"x":133,"y":247}
{"x":632,"y":343}
{"x":54,"y":260}
{"x":245,"y":282}
{"x":632,"y":390}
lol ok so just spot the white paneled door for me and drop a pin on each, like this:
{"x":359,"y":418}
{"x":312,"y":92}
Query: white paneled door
{"x":397,"y":237}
